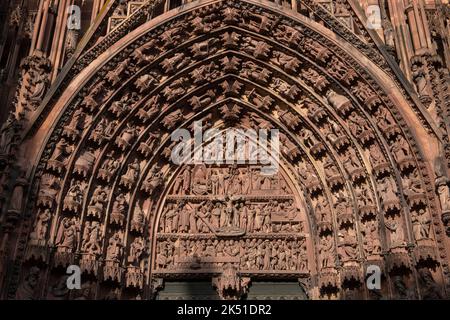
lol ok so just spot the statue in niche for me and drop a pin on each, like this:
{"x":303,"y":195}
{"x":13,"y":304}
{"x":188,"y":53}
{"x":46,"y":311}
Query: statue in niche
{"x":376,"y":156}
{"x":256,"y":22}
{"x":326,"y":252}
{"x":115,"y":247}
{"x":140,"y":54}
{"x":243,"y":215}
{"x":421,"y":223}
{"x":74,"y":197}
{"x":338,"y":101}
{"x":347,"y":245}
{"x":111,"y":128}
{"x":245,"y":180}
{"x":291,"y":35}
{"x":388,"y":190}
{"x":422,"y":84}
{"x":322,"y":210}
{"x":40,"y":82}
{"x":154,"y":180}
{"x":363,"y":197}
{"x":137,"y":249}
{"x":357,"y":124}
{"x":396,"y":232}
{"x":49,"y":188}
{"x":67,"y":236}
{"x":91,"y":238}
{"x":341,"y":205}
{"x":127,"y":137}
{"x":110,"y":166}
{"x":61,"y":152}
{"x":329,"y":167}
{"x":137,"y":222}
{"x":144,"y":82}
{"x":176,"y":62}
{"x":16,"y":201}
{"x":372,"y":244}
{"x":98,"y":201}
{"x":384,"y":118}
{"x":400,"y":149}
{"x":214,"y":179}
{"x":119,"y":209}
{"x":8,"y":133}
{"x":443,"y":192}
{"x":132,"y":174}
{"x":308,"y":138}
{"x":77,"y":121}
{"x":350,"y":160}
{"x":114,"y":76}
{"x":412,"y":187}
{"x":39,"y":232}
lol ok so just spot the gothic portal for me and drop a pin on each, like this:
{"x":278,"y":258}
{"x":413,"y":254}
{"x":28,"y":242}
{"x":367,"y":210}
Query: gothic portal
{"x":361,"y":179}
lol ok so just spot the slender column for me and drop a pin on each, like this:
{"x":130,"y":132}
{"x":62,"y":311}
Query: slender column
{"x":294,"y":5}
{"x":60,"y":49}
{"x":43,"y":26}
{"x":59,"y":28}
{"x":95,"y":9}
{"x":419,"y":24}
{"x":37,"y":24}
{"x":413,"y":27}
{"x":402,"y":36}
{"x":425,"y":25}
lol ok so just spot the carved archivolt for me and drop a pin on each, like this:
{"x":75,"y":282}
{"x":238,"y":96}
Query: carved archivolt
{"x":352,"y":190}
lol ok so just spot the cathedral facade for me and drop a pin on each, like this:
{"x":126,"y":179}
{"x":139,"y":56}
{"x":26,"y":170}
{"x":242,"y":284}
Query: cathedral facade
{"x":353,"y":94}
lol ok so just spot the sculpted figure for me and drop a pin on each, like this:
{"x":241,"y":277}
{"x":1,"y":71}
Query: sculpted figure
{"x":91,"y":238}
{"x":400,"y":149}
{"x":154,"y":180}
{"x":443,"y":192}
{"x":75,"y":195}
{"x":326,"y":252}
{"x":347,"y":245}
{"x":388,"y":189}
{"x":115,"y":247}
{"x":62,"y":150}
{"x":338,"y":101}
{"x":322,"y":210}
{"x":119,"y":209}
{"x":421,"y":81}
{"x":421,"y":222}
{"x":8,"y":133}
{"x":67,"y":236}
{"x":41,"y":225}
{"x":137,"y":249}
{"x":372,"y":244}
{"x":133,"y":171}
{"x":16,"y":204}
{"x":395,"y":228}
